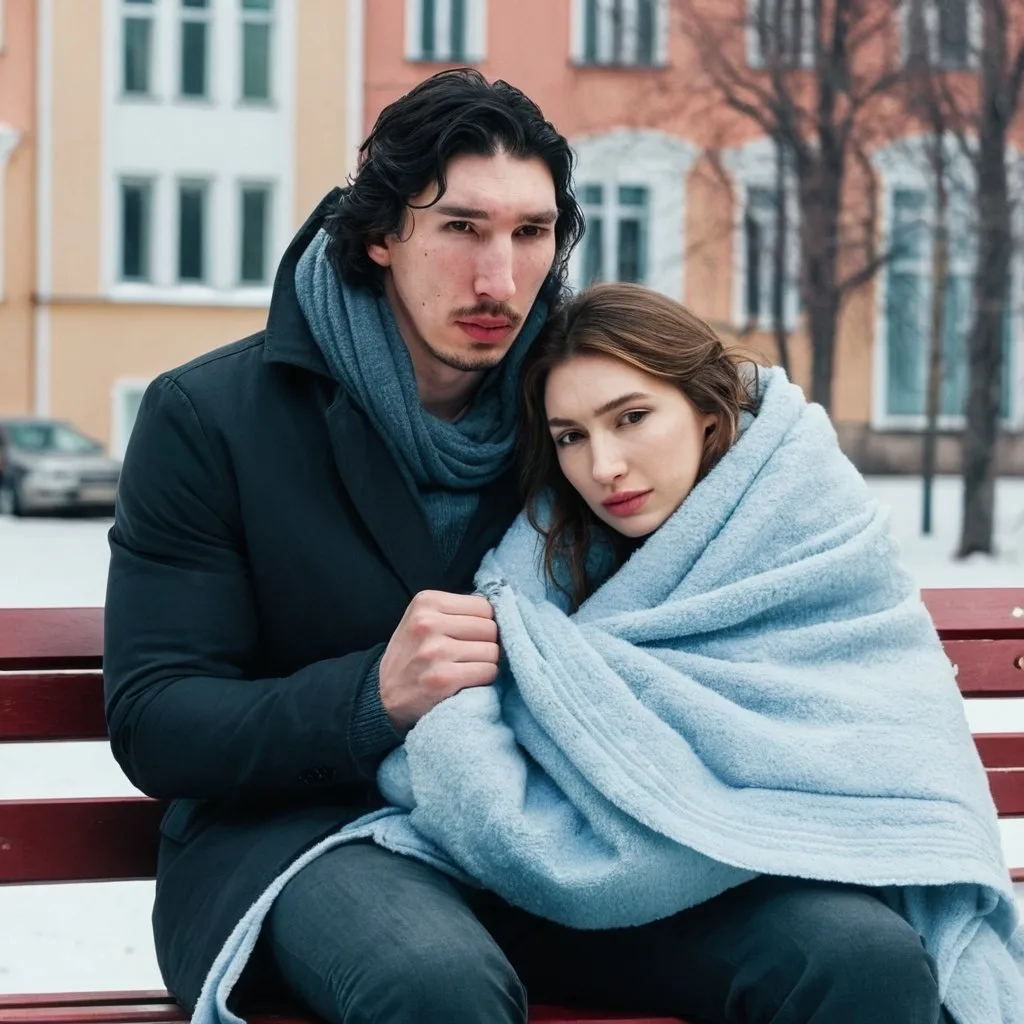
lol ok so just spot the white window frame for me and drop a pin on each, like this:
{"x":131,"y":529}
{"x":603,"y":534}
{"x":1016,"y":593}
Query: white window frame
{"x":476,"y":32}
{"x":205,"y":15}
{"x":9,"y":139}
{"x":268,"y":187}
{"x":753,"y":166}
{"x":611,"y":213}
{"x":605,"y":29}
{"x":659,"y":162}
{"x":930,"y":11}
{"x":120,"y":428}
{"x":149,"y":181}
{"x":252,"y":17}
{"x":140,"y":12}
{"x":905,"y":165}
{"x":755,"y":55}
{"x":3,"y":35}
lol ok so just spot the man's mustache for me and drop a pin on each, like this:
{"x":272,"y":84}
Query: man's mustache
{"x":496,"y":309}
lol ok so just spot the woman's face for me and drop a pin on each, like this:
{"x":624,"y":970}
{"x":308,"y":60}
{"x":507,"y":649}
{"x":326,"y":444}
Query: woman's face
{"x":629,"y":443}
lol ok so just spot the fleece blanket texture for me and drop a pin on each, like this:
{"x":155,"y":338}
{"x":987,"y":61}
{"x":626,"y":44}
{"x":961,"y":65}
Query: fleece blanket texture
{"x":758,"y":690}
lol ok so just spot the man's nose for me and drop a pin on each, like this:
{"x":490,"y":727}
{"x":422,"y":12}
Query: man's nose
{"x":494,"y":277}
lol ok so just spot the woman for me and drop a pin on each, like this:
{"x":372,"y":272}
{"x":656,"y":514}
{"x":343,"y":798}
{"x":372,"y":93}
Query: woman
{"x":723,"y":711}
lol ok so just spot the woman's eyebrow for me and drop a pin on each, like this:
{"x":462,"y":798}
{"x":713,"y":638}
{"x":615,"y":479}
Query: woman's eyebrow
{"x":633,"y":396}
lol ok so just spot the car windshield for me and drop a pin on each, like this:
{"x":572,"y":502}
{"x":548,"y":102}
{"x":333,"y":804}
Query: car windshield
{"x":51,"y":438}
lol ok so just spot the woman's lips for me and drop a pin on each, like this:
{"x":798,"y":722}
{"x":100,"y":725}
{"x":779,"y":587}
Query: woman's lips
{"x":627,"y":504}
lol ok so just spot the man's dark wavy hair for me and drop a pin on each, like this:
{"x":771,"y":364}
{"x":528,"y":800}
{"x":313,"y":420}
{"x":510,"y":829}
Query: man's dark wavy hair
{"x":452,"y":113}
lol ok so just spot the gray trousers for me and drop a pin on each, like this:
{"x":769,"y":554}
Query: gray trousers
{"x":362,"y":935}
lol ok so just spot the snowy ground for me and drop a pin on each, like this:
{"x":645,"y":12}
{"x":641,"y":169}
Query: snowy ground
{"x":97,"y":936}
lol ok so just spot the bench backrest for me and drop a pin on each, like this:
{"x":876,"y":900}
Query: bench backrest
{"x":51,"y":689}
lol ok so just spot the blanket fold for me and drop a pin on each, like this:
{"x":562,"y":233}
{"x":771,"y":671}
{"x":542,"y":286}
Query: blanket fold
{"x":759,"y":690}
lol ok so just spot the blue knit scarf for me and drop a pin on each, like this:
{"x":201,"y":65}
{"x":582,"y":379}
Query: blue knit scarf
{"x":444,"y":463}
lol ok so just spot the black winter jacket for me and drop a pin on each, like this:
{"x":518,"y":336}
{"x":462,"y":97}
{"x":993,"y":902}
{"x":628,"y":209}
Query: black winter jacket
{"x":264,"y":549}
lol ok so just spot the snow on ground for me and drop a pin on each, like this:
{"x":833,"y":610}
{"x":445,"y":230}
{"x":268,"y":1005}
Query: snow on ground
{"x":83,"y":937}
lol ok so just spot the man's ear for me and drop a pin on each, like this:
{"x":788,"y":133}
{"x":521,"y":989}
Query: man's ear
{"x":379,"y":253}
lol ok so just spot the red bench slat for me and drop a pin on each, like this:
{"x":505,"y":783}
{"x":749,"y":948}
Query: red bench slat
{"x":967,"y":613}
{"x":50,"y":638}
{"x":52,"y":706}
{"x":70,"y":840}
{"x":988,"y":668}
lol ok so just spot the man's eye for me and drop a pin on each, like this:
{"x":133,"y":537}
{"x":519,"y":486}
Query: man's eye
{"x":460,"y":226}
{"x":531,"y":230}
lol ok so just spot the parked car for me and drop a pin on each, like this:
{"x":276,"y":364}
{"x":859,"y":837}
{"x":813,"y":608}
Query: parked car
{"x":48,"y":465}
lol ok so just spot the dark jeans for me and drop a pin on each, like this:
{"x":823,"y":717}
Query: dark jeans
{"x":362,"y":935}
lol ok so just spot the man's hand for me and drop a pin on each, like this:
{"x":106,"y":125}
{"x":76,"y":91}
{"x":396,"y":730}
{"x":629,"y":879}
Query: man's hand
{"x":444,"y":643}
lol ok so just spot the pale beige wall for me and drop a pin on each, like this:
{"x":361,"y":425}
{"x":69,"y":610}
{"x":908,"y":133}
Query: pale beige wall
{"x":77,"y":141}
{"x":17,"y":109}
{"x":321,"y":124}
{"x":96,"y":344}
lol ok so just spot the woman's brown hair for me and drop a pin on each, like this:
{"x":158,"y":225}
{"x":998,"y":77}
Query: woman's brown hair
{"x":647,"y":331}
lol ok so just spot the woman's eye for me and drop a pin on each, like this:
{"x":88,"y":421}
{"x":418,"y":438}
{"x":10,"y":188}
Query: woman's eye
{"x":634,"y":416}
{"x":568,"y":438}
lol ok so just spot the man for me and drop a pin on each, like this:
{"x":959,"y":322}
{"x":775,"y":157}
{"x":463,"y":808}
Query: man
{"x":299,"y":519}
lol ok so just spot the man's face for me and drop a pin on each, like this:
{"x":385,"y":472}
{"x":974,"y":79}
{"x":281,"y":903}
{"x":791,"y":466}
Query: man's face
{"x":465,"y":272}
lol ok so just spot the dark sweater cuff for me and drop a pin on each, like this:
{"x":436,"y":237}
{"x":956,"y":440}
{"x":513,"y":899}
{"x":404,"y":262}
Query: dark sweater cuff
{"x":372,"y":735}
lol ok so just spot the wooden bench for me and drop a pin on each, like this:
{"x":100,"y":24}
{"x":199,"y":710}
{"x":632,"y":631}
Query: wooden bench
{"x":51,"y":689}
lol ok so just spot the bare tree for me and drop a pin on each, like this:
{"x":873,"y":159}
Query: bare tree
{"x":1001,"y":74}
{"x":820,"y":68}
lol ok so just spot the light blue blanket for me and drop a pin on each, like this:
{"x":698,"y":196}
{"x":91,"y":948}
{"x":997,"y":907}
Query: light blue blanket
{"x":759,"y":690}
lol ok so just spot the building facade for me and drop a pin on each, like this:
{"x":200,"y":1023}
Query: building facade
{"x":17,"y":201}
{"x":680,"y":191}
{"x":178,"y":144}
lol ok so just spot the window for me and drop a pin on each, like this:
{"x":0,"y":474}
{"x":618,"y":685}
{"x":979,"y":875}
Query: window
{"x":947,"y":33}
{"x":137,"y":29}
{"x":759,"y":237}
{"x":908,"y":305}
{"x":136,"y":229}
{"x":623,"y":32}
{"x":445,"y":30}
{"x":192,"y":231}
{"x":615,"y":244}
{"x":781,"y":33}
{"x":195,"y":48}
{"x":127,"y":400}
{"x":255,"y":216}
{"x":257,"y":49}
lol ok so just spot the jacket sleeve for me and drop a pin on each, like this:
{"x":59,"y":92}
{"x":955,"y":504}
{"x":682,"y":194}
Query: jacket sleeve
{"x":187,"y":713}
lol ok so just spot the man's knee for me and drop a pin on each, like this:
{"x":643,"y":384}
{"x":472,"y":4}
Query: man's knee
{"x":839,"y":956}
{"x":434,"y":984}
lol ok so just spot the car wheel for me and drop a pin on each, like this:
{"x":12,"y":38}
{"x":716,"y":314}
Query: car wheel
{"x":10,"y":501}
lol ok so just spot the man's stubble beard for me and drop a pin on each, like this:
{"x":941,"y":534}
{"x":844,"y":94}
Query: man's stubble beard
{"x":487,"y":359}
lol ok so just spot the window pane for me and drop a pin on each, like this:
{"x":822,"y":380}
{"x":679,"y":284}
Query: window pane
{"x":137,"y":47}
{"x":458,"y":30}
{"x":906,"y":313}
{"x":593,"y":248}
{"x":200,"y":4}
{"x":590,"y":32}
{"x":256,"y":61}
{"x":632,"y":195}
{"x":618,"y":32}
{"x":592,"y":194}
{"x":754,"y":240}
{"x":632,"y":254}
{"x":954,"y":42}
{"x":193,"y":58}
{"x":135,"y":206}
{"x":428,"y":18}
{"x":646,"y":31}
{"x":956,"y":324}
{"x":191,"y":203}
{"x":255,"y":210}
{"x":909,"y":224}
{"x":257,"y":5}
